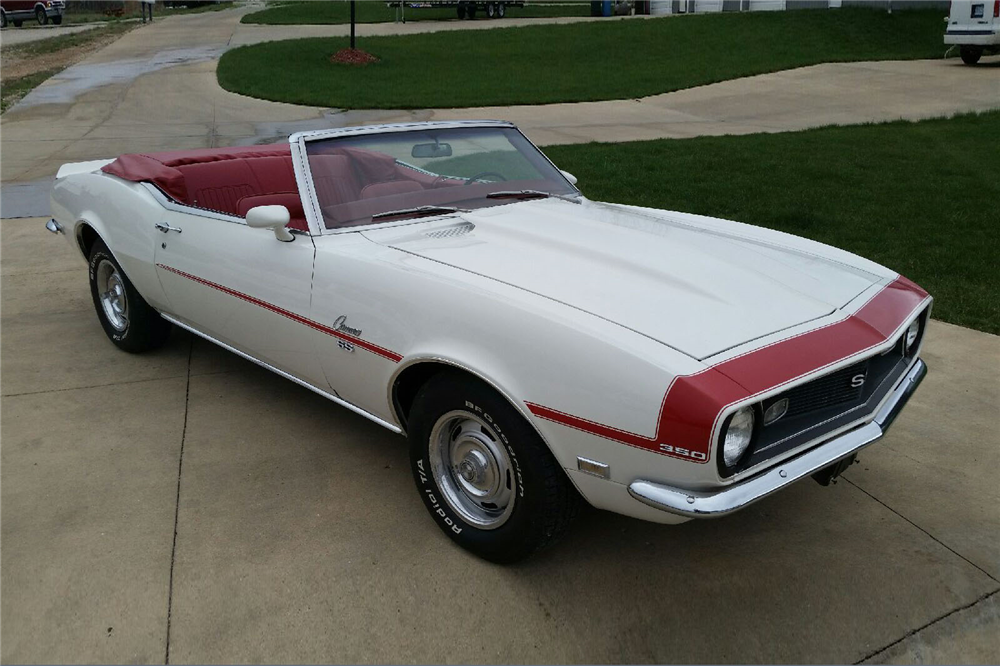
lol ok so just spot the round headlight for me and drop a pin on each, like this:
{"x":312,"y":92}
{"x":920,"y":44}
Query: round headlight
{"x":737,"y":436}
{"x":911,"y":335}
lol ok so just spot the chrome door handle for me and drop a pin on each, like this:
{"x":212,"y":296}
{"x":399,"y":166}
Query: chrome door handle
{"x":164,"y":227}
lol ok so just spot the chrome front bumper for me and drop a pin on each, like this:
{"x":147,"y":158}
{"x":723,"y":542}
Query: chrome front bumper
{"x":739,"y":495}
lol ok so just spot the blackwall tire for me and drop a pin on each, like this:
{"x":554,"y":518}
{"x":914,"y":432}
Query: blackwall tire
{"x":3,"y":19}
{"x":129,"y":322}
{"x":41,"y":16}
{"x":501,"y":10}
{"x":971,"y":54}
{"x":486,"y":477}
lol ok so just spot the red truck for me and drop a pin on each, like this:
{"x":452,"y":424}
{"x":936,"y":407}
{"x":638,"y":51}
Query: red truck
{"x":19,"y":11}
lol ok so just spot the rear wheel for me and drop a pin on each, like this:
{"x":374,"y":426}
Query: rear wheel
{"x":3,"y":19}
{"x":491,"y":10}
{"x":129,"y":322}
{"x":971,"y":54}
{"x":41,"y":16}
{"x":501,"y":10}
{"x":484,"y":474}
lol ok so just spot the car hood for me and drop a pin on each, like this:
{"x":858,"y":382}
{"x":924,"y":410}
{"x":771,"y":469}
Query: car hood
{"x":697,"y":284}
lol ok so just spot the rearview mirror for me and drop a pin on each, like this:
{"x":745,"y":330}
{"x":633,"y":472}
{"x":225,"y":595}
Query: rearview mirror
{"x":431,"y":150}
{"x":568,"y":176}
{"x":271,"y":217}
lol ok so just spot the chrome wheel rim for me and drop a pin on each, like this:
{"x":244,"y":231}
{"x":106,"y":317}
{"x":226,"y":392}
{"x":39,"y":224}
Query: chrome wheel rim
{"x":111,"y":292}
{"x":470,"y":464}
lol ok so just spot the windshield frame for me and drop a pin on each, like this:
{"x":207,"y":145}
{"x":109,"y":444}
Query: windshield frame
{"x":310,"y":201}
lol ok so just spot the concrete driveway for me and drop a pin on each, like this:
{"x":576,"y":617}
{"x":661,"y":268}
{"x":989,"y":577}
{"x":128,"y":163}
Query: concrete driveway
{"x":14,"y":35}
{"x":186,"y":506}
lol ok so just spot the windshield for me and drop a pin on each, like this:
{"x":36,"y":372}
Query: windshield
{"x":399,"y":175}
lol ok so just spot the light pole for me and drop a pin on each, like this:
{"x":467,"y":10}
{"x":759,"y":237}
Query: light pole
{"x":352,"y":24}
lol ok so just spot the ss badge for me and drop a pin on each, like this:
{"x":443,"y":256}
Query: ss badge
{"x":345,"y":345}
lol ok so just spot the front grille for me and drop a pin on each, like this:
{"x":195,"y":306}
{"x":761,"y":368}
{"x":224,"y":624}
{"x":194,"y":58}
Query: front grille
{"x":826,"y":403}
{"x":834,"y":389}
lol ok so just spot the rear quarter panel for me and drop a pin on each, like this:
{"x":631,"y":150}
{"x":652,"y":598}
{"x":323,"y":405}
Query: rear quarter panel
{"x":123,"y":215}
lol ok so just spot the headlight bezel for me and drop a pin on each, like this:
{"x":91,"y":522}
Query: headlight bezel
{"x":910,"y":351}
{"x":727,"y":470}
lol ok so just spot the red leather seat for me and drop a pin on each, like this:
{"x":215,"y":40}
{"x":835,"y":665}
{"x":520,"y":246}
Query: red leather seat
{"x":220,"y":185}
{"x":389,"y":188}
{"x":227,"y":180}
{"x":335,"y":180}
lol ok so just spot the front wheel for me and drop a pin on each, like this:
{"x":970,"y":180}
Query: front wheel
{"x":484,"y":474}
{"x":501,"y":10}
{"x":129,"y":322}
{"x":41,"y":16}
{"x":971,"y":54}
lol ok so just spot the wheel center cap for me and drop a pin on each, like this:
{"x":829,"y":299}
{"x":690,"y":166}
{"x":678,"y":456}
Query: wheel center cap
{"x":473,"y":467}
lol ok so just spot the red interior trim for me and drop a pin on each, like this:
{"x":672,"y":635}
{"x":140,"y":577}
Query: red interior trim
{"x":363,"y":344}
{"x":693,"y":404}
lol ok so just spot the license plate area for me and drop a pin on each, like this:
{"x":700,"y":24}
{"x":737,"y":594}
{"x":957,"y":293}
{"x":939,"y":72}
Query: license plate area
{"x":828,"y":475}
{"x":977,"y":11}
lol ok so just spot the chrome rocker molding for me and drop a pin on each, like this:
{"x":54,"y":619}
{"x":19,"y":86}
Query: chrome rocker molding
{"x":329,"y":396}
{"x":737,"y":496}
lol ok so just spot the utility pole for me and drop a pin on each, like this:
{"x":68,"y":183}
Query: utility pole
{"x":352,"y":23}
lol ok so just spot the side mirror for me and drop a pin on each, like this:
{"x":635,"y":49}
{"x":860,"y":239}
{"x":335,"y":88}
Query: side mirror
{"x":271,"y":217}
{"x":568,"y":176}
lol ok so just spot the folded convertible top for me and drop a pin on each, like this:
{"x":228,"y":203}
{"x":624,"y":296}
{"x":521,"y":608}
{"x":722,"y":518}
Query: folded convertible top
{"x":160,"y":169}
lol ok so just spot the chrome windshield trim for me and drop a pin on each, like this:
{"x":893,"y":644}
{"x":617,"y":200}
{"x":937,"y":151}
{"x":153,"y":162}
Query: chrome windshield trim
{"x":728,"y":499}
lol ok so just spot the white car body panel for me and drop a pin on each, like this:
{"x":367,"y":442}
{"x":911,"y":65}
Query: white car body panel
{"x":964,"y":29}
{"x":590,"y":309}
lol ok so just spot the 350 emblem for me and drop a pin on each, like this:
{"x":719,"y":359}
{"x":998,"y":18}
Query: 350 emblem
{"x":684,"y":453}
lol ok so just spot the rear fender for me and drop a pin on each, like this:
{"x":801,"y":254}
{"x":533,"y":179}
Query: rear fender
{"x":122,"y":214}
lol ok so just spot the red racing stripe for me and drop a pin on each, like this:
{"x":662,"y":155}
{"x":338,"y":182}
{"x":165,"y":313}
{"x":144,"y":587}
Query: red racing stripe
{"x":363,"y":344}
{"x":693,"y":404}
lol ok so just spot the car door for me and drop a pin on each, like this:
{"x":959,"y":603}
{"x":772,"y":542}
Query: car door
{"x":240,"y":286}
{"x":359,"y":332}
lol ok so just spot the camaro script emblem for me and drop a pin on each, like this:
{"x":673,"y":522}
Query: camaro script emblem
{"x":340,"y":325}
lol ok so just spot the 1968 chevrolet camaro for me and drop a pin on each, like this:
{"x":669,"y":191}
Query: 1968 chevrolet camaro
{"x":446,"y":280}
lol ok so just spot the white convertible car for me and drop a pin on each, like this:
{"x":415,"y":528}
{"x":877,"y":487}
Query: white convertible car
{"x":447,"y":281}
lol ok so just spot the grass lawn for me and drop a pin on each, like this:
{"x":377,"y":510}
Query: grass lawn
{"x":599,"y":60}
{"x":376,"y":11}
{"x":921,"y":198}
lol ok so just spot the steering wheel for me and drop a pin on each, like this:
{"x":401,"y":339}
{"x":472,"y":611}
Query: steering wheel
{"x":483,"y":174}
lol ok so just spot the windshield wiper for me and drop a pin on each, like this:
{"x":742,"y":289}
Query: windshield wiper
{"x":418,"y":210}
{"x":511,"y":194}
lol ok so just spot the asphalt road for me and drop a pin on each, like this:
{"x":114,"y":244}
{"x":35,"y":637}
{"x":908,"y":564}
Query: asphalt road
{"x":186,"y":506}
